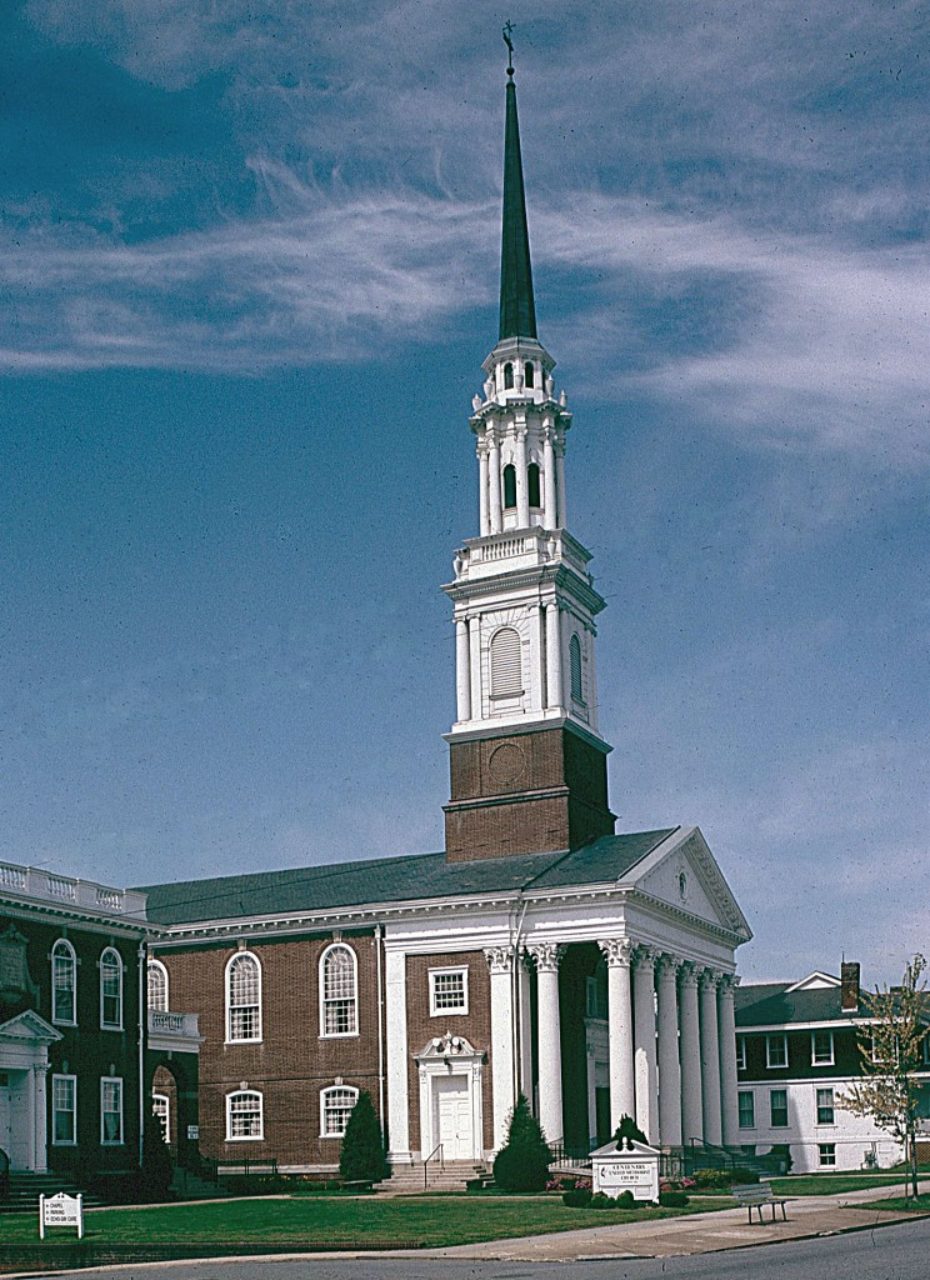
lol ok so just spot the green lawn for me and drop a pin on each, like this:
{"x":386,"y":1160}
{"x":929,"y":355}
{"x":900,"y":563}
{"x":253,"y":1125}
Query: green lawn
{"x":832,"y":1184}
{"x":898,"y":1204}
{"x":332,"y":1223}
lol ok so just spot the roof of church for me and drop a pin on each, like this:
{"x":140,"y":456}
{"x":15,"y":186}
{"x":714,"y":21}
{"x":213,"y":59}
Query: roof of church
{"x":766,"y":1004}
{"x":394,"y":880}
{"x":518,"y":309}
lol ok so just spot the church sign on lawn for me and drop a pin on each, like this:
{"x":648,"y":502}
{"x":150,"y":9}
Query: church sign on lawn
{"x":634,"y":1169}
{"x":61,"y":1211}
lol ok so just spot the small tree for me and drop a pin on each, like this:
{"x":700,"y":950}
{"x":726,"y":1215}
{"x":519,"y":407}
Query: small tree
{"x":155,"y":1173}
{"x":628,"y":1131}
{"x":522,"y":1164}
{"x":363,"y":1157}
{"x":891,"y":1048}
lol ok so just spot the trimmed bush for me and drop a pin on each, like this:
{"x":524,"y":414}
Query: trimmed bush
{"x":363,"y":1158}
{"x":625,"y":1200}
{"x":712,"y":1179}
{"x":522,"y":1164}
{"x":672,"y":1199}
{"x":577,"y":1198}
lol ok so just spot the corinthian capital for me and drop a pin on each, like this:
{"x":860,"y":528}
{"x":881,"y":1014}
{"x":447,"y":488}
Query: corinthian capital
{"x":500,"y":959}
{"x":667,"y":964}
{"x":547,"y":956}
{"x":617,"y":951}
{"x":727,"y":984}
{"x":645,"y":957}
{"x":710,"y":978}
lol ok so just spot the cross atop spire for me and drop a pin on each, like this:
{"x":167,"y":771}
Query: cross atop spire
{"x":518,"y":310}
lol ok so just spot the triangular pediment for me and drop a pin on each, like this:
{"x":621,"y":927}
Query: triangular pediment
{"x":816,"y":981}
{"x":29,"y":1027}
{"x":448,"y":1048}
{"x":682,"y":874}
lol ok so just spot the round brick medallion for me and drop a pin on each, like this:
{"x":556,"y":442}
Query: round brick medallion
{"x":506,"y":764}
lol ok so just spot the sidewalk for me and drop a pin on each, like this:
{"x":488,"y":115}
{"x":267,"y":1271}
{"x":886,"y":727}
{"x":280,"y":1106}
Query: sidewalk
{"x":700,"y":1233}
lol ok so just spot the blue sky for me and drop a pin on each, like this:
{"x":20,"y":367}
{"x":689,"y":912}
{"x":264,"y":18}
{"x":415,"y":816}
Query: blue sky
{"x":248,"y":271}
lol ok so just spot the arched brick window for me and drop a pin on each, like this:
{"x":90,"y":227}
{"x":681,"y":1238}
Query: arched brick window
{"x":243,"y":997}
{"x":64,"y":983}
{"x":338,"y":991}
{"x":111,"y":989}
{"x":157,"y":986}
{"x":336,"y":1104}
{"x":245,"y":1116}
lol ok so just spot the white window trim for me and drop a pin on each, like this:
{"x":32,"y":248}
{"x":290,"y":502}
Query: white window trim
{"x":752,"y":1094}
{"x":158,"y":964}
{"x":826,"y":1164}
{"x":452,"y":1013}
{"x":111,"y":951}
{"x":741,"y":1053}
{"x":333,"y":1088}
{"x":163,"y":1097}
{"x":246,"y":1137}
{"x":64,"y":1022}
{"x":121,"y":1141}
{"x":230,"y":1039}
{"x":824,"y":1124}
{"x":770,"y":1065}
{"x":772,"y":1124}
{"x":72,"y":1141}
{"x":321,"y":983}
{"x":822,"y":1062}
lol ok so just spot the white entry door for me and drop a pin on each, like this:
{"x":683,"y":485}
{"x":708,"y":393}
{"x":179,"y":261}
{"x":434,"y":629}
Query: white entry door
{"x":453,"y":1106}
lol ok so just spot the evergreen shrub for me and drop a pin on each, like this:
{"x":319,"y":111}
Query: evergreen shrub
{"x":672,"y":1199}
{"x":522,"y":1164}
{"x":363,"y":1157}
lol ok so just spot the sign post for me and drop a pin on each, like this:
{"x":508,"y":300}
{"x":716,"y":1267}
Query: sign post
{"x":61,"y":1210}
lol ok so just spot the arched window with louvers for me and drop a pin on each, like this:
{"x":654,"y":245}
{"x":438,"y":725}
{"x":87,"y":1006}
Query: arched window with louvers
{"x":506,"y":663}
{"x":575,"y":669}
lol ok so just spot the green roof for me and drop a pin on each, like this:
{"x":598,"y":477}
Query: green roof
{"x":343,"y":885}
{"x":768,"y":1004}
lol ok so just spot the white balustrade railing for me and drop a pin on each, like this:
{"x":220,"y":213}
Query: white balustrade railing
{"x":32,"y":882}
{"x":184,"y":1025}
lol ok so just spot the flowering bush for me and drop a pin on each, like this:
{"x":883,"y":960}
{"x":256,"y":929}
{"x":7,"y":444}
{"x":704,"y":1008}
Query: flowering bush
{"x":677,"y":1184}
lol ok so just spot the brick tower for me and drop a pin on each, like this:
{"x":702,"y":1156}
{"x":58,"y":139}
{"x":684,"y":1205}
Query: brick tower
{"x":528,"y":768}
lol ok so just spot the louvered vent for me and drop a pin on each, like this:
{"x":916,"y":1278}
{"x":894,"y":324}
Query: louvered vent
{"x":506,"y":670}
{"x":574,"y":658}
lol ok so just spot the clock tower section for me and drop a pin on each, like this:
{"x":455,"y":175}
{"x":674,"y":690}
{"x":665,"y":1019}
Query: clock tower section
{"x":528,"y":767}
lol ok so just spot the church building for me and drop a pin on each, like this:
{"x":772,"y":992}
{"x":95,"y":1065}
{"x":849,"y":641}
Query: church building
{"x":540,"y":952}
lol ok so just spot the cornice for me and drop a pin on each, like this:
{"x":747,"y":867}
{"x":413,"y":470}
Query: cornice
{"x":95,"y":923}
{"x":561,"y":575}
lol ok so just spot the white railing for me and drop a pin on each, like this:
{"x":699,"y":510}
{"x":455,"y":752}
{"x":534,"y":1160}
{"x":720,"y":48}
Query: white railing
{"x":32,"y":882}
{"x":504,"y":550}
{"x":184,"y":1025}
{"x":12,"y":877}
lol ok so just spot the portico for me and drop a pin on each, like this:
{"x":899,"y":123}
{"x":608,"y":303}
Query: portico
{"x":24,"y":1042}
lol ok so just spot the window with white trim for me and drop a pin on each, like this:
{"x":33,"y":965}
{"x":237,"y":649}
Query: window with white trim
{"x":111,"y":989}
{"x":825,"y":1106}
{"x":64,"y":983}
{"x":747,"y":1109}
{"x":776,"y":1051}
{"x":161,"y":1108}
{"x":822,"y":1048}
{"x":243,"y":998}
{"x":778,"y":1108}
{"x":574,"y":665}
{"x":64,"y":1111}
{"x":741,"y":1053}
{"x":506,"y":664}
{"x":827,"y":1154}
{"x":111,"y":1111}
{"x":448,"y":991}
{"x":338,"y":991}
{"x":157,"y":986}
{"x":336,"y":1104}
{"x":245,"y":1116}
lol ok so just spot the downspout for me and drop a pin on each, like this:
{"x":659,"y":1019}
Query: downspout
{"x":143,"y":1013}
{"x":379,"y":948}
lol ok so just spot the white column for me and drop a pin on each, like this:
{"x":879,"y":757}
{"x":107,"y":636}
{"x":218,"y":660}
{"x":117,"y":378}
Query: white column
{"x":494,"y":463}
{"x":726,"y":1021}
{"x":40,"y":1163}
{"x":692,"y":1103}
{"x":551,"y":516}
{"x":500,"y":962}
{"x":710,"y":1059}
{"x":547,"y":956}
{"x":483,"y":511}
{"x":644,"y":1043}
{"x":526,"y":1030}
{"x":523,"y":500}
{"x":462,"y":670}
{"x":553,"y":655}
{"x":395,"y":988}
{"x":560,"y":469}
{"x":669,"y":1065}
{"x":619,"y":1028}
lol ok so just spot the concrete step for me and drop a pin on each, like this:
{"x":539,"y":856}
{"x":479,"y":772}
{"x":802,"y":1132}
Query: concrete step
{"x":409,"y":1179}
{"x":24,"y":1190}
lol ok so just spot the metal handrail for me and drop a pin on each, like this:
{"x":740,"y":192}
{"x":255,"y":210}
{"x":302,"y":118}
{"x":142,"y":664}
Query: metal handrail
{"x":437,"y":1150}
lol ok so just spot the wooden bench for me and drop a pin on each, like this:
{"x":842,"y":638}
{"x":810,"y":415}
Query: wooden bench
{"x":246,"y":1168}
{"x":753,"y":1195}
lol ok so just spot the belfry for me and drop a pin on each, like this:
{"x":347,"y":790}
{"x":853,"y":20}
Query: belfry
{"x":528,"y":767}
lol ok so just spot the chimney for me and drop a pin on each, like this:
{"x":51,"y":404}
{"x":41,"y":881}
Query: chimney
{"x":849,"y":987}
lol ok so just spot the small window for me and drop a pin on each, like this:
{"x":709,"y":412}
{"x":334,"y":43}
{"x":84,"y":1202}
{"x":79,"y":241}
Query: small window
{"x":336,"y":1104}
{"x":338,"y":992}
{"x":822,"y":1048}
{"x":827,"y":1152}
{"x":825,"y":1106}
{"x":529,"y":374}
{"x":741,"y":1053}
{"x":243,"y":998}
{"x":506,"y":664}
{"x":111,"y":990}
{"x":596,"y":994}
{"x":111,"y":1111}
{"x":778,"y":1106}
{"x":64,"y":1111}
{"x":747,"y":1110}
{"x":245,"y":1119}
{"x":64,"y":983}
{"x":508,"y":377}
{"x":532,"y":485}
{"x":161,"y":1109}
{"x":448,"y":991}
{"x":510,"y":486}
{"x":574,"y":662}
{"x":776,"y":1052}
{"x":157,"y":981}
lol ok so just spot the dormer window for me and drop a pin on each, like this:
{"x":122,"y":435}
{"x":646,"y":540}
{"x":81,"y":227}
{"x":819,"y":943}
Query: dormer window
{"x":529,"y":373}
{"x":532,"y":482}
{"x":510,"y":487}
{"x":508,"y":377}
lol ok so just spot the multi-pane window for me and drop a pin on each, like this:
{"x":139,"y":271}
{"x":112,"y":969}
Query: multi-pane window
{"x":776,"y":1051}
{"x":64,"y":983}
{"x":338,"y":992}
{"x":827,"y":1152}
{"x":111,"y":990}
{"x":448,"y":991}
{"x":64,"y":1111}
{"x":336,"y":1105}
{"x":574,"y":663}
{"x":243,"y":998}
{"x":747,"y":1109}
{"x":244,"y":1116}
{"x":741,"y":1053}
{"x":111,"y":1111}
{"x":157,"y":978}
{"x":778,"y":1108}
{"x":822,"y":1048}
{"x":161,"y":1108}
{"x":825,"y":1106}
{"x":506,"y":664}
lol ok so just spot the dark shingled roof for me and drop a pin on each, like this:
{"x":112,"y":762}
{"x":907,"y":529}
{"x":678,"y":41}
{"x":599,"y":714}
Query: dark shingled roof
{"x":771,"y":1003}
{"x":394,"y":880}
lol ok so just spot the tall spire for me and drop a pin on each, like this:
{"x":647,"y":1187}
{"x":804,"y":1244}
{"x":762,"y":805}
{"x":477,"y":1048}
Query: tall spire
{"x":518,"y":311}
